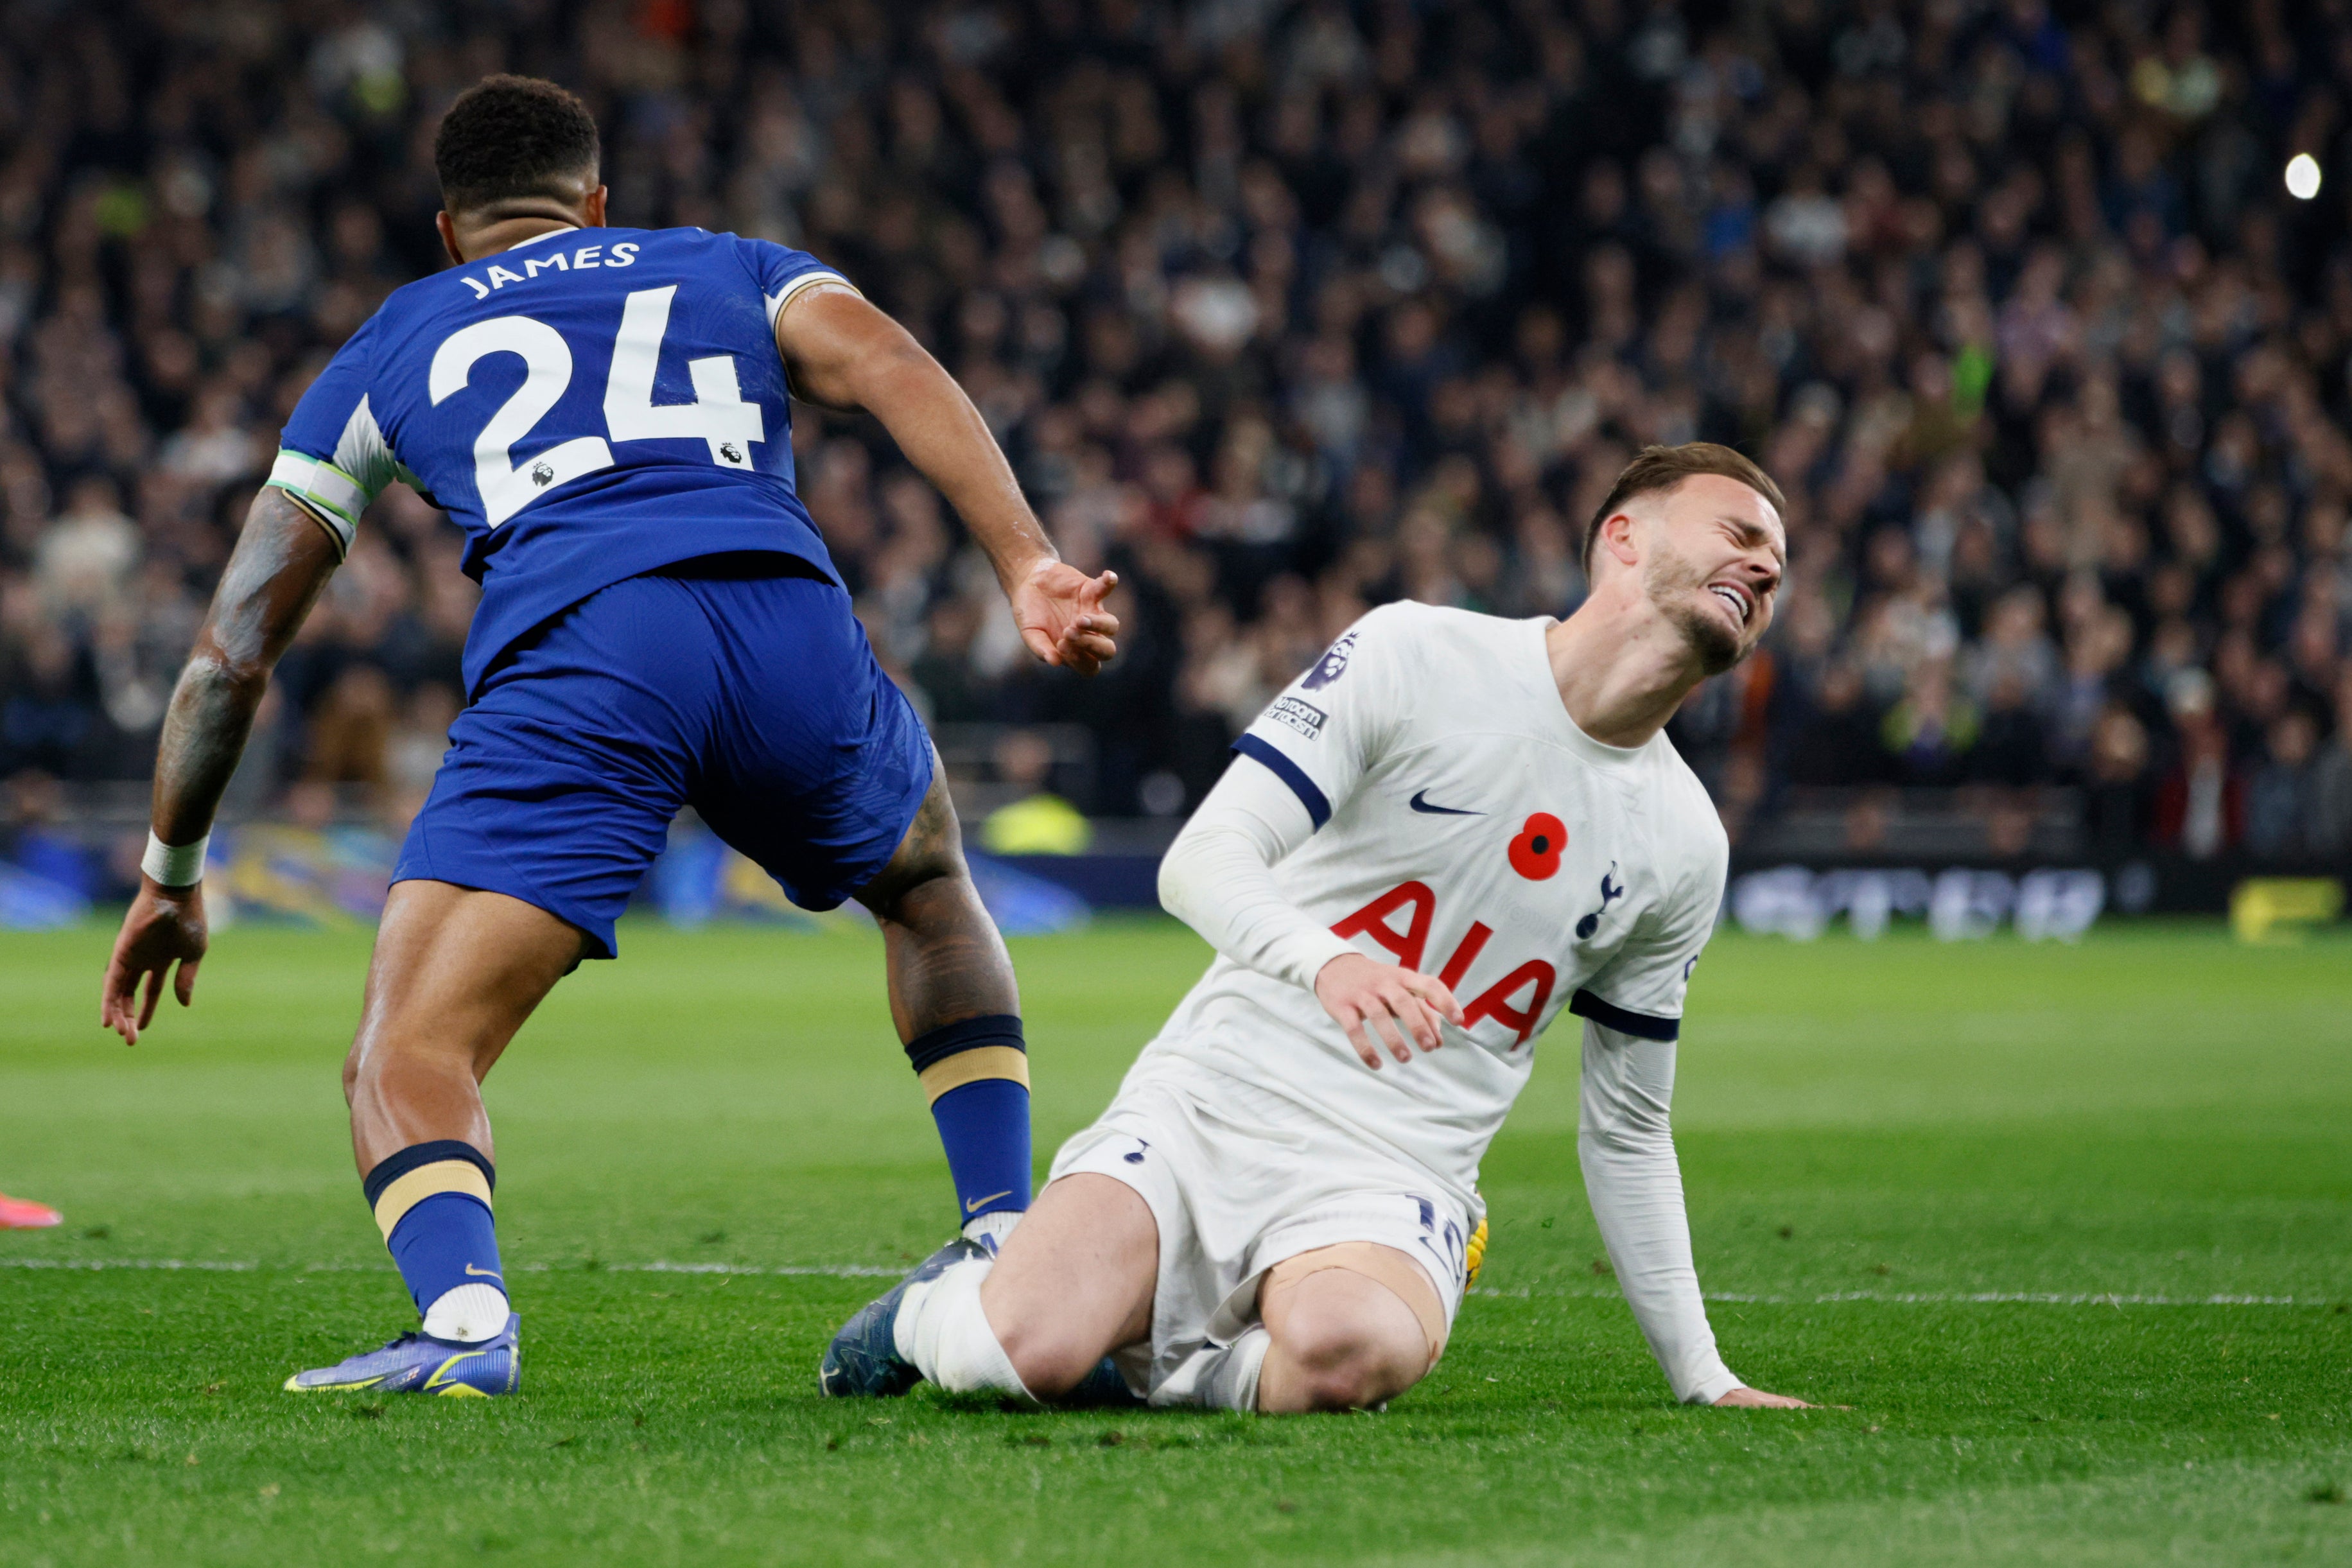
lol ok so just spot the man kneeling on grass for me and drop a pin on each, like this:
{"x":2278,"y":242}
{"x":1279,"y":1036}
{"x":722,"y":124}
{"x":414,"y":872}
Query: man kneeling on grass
{"x":1269,"y":1217}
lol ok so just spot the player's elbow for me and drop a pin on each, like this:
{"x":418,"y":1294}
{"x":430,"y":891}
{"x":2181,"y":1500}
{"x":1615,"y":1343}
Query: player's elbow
{"x":1180,"y":877}
{"x":213,"y":675}
{"x":1171,"y":886}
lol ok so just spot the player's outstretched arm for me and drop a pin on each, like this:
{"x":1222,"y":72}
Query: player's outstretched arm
{"x":282,"y":560}
{"x":843,"y":353}
{"x":1625,"y":1144}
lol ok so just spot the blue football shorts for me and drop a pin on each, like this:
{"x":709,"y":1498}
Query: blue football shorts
{"x":741,"y":685}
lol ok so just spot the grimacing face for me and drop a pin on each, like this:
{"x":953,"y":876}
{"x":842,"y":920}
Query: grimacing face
{"x":1714,"y":568}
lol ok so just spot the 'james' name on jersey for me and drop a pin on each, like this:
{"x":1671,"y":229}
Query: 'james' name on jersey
{"x":589,"y":406}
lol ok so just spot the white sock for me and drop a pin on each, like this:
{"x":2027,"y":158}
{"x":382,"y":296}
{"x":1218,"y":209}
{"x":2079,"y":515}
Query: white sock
{"x":942,"y":1329}
{"x":991,"y":1230}
{"x":467,"y":1313}
{"x":1224,"y":1378}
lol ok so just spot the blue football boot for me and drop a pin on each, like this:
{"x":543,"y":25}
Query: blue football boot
{"x":863,"y":1362}
{"x":420,"y":1364}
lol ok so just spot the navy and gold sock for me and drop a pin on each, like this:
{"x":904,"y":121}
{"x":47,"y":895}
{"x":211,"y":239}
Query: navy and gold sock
{"x":431,"y":1202}
{"x":975,"y":1072}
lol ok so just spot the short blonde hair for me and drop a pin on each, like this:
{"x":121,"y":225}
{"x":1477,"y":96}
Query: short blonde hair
{"x":1664,"y":468}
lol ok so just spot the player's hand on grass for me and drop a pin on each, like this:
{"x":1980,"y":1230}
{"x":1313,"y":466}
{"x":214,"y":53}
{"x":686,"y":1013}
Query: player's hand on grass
{"x":165,"y":926}
{"x":1380,"y":1004}
{"x":1060,"y":611}
{"x":1757,"y":1399}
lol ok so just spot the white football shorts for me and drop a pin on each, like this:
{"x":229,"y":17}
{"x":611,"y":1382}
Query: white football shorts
{"x":1238,"y":1179}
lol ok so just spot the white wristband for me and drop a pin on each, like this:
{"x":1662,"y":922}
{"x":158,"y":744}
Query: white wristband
{"x":174,"y":866}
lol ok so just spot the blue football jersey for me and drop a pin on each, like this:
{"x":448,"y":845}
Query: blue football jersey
{"x":589,"y":406}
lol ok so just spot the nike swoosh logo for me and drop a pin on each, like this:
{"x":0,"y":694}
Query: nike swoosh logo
{"x":1419,"y":802}
{"x":979,"y":1204}
{"x":484,"y":1273}
{"x":442,"y":1372}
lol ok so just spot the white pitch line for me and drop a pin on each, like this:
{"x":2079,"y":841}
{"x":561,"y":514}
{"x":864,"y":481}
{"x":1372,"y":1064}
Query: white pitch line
{"x":207,"y":1265}
{"x":2059,"y":1299}
{"x":1951,"y":1297}
{"x":829,"y":1271}
{"x":1523,"y":1292}
{"x":219,"y":1265}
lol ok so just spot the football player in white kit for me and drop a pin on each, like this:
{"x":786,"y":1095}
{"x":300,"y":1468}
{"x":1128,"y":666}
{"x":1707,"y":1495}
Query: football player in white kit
{"x":1449,"y":829}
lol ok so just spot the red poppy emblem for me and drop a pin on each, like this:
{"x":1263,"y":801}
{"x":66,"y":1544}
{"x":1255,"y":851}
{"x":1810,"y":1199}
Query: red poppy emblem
{"x":1535,"y":853}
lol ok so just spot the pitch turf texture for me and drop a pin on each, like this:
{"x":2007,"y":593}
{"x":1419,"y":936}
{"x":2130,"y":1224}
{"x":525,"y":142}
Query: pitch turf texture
{"x":2142,"y":1147}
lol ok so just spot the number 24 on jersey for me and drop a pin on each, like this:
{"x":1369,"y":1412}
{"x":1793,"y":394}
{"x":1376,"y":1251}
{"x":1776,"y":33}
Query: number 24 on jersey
{"x":717,"y":415}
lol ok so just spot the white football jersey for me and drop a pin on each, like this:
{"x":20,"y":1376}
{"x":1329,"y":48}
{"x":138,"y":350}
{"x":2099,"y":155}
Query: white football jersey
{"x":1467,"y":828}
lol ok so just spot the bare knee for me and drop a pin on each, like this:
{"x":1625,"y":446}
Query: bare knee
{"x":378,"y":1078}
{"x":1342,"y":1361}
{"x":406,"y":1086}
{"x":934,"y":903}
{"x":926,"y":879}
{"x":1049,"y":1360}
{"x":1074,"y":1282}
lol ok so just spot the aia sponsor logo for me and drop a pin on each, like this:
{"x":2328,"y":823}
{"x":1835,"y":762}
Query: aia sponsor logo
{"x":1398,"y":920}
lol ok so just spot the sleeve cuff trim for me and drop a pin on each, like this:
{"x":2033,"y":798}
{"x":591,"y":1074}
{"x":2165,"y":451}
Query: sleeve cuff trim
{"x":1318,"y":806}
{"x":320,"y":481}
{"x":793,"y":290}
{"x":1714,"y":1386}
{"x":1609,"y":1015}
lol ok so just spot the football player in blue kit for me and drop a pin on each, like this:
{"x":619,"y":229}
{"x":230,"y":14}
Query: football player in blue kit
{"x":604,"y":412}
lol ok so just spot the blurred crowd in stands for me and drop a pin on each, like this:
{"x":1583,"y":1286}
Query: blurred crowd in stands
{"x":1286,"y":310}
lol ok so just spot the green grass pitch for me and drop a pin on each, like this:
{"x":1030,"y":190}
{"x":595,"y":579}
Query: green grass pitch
{"x":2110,"y":1139}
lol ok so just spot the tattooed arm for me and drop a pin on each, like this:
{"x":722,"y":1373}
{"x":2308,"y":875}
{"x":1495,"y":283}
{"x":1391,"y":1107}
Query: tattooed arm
{"x":283,"y":559}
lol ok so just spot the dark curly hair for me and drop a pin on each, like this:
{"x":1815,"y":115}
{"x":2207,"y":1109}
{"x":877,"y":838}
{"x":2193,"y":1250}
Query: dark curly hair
{"x":511,"y":136}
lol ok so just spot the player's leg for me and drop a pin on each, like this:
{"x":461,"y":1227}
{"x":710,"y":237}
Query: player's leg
{"x":820,"y":771}
{"x":958,"y":1012}
{"x":1349,"y":1326}
{"x":1346,"y":1326}
{"x":456,"y":972}
{"x":1072,"y":1284}
{"x":556,"y":794}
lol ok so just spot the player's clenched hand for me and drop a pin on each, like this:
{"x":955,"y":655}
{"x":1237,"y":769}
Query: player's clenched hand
{"x":1060,"y":611}
{"x":1382,"y":1005}
{"x":165,"y":926}
{"x":1757,"y":1399}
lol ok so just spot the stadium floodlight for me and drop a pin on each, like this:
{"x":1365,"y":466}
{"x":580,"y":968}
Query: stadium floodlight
{"x":2303,"y":176}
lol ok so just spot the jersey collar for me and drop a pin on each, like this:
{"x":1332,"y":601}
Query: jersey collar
{"x":550,"y":233}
